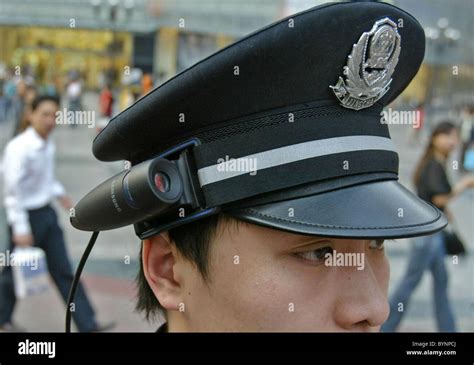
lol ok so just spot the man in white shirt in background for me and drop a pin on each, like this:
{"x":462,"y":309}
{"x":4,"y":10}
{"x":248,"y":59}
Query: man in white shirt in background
{"x":30,"y":186}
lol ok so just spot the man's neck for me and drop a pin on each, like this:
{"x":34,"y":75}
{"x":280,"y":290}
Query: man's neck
{"x":176,"y":322}
{"x":40,"y":134}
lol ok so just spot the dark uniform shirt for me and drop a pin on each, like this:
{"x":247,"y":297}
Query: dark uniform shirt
{"x":433,"y":181}
{"x":163,"y":328}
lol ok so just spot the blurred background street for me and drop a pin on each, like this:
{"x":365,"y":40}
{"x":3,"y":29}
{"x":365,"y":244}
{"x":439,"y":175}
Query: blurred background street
{"x":134,"y":46}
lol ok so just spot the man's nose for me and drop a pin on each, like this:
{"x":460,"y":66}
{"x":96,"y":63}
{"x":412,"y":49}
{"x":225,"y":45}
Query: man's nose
{"x":362,"y":302}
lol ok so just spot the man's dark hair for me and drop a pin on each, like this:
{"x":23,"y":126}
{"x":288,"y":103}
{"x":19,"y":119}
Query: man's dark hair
{"x":192,"y":241}
{"x":42,"y":98}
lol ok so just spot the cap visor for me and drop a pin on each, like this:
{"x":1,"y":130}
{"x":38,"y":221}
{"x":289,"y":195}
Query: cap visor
{"x":382,"y":209}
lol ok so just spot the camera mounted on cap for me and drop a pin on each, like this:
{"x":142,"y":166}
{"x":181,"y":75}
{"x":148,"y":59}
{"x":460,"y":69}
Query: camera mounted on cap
{"x":149,"y":195}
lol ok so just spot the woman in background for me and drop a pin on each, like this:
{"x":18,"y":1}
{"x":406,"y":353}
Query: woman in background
{"x":428,"y":252}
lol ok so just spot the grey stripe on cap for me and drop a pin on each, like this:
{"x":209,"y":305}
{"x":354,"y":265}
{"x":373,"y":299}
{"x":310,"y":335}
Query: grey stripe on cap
{"x":293,"y":153}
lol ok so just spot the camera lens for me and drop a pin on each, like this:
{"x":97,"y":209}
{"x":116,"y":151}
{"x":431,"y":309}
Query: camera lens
{"x":162,"y":182}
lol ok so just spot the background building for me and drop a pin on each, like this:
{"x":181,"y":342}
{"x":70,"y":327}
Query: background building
{"x":164,"y":37}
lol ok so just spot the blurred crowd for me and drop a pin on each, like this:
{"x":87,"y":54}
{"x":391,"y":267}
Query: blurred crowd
{"x":19,"y":87}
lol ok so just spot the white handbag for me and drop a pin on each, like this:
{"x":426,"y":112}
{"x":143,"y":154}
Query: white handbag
{"x":30,"y":272}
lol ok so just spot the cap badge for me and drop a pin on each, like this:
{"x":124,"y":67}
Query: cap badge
{"x":369,"y":66}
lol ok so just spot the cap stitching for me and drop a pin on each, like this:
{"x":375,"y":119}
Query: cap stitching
{"x":246,"y":124}
{"x":250,"y":210}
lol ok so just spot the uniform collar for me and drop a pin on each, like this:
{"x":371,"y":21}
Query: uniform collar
{"x":163,"y":328}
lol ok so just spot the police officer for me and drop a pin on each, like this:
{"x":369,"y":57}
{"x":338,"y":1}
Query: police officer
{"x":263,"y":180}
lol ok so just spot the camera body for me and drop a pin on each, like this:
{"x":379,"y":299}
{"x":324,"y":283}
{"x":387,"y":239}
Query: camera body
{"x":151,"y":195}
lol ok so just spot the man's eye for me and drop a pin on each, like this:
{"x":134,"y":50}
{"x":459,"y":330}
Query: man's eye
{"x":377,"y":244}
{"x":317,"y":255}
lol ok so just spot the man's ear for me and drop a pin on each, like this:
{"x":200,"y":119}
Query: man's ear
{"x":159,"y":258}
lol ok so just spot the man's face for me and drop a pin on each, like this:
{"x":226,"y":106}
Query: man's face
{"x":262,"y":279}
{"x":43,"y":118}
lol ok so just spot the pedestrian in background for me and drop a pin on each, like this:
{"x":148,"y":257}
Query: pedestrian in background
{"x":428,"y":252}
{"x":30,"y":187}
{"x":18,"y":105}
{"x":106,"y":101}
{"x":9,"y":92}
{"x":30,"y":95}
{"x":74,"y":96}
{"x":467,"y":138}
{"x":147,"y":84}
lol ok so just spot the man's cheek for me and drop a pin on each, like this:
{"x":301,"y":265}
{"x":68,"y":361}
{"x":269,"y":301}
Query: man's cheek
{"x":258,"y":302}
{"x":381,"y":269}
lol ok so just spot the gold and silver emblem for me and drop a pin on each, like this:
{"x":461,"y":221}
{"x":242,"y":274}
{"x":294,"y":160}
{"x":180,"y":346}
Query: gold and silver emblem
{"x":369,"y":66}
